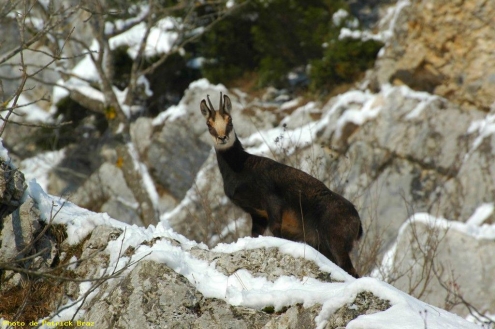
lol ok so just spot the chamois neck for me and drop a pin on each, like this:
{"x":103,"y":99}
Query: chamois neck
{"x":232,"y":158}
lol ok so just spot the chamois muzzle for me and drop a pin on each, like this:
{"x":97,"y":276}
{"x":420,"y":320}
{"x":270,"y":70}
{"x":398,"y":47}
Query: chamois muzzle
{"x":222,"y":139}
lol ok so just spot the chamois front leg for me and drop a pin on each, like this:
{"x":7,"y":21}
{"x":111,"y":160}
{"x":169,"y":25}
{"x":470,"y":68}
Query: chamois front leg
{"x":260,"y":224}
{"x":274,"y":211}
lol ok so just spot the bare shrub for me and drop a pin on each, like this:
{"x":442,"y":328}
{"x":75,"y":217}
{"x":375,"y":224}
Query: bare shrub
{"x":32,"y":289}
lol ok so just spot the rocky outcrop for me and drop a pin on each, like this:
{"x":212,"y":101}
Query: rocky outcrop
{"x":12,"y":186}
{"x":175,"y":155}
{"x":419,"y":154}
{"x":17,"y":233}
{"x":28,"y":244}
{"x":445,"y":48}
{"x":112,"y":275}
{"x":448,"y":264}
{"x":106,"y":191}
{"x":152,"y":295}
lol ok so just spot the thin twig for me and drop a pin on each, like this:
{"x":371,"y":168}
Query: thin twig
{"x":37,"y":125}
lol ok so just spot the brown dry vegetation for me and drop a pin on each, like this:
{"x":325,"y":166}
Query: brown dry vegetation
{"x":38,"y":292}
{"x":31,"y":300}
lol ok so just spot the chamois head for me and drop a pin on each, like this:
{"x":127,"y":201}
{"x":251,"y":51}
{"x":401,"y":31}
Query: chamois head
{"x":219,"y":122}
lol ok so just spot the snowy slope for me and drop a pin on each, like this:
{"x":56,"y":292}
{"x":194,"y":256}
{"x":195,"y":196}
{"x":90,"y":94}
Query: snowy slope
{"x":254,"y":292}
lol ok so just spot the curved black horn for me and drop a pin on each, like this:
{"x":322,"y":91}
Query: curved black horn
{"x":209,"y":103}
{"x":221,"y":104}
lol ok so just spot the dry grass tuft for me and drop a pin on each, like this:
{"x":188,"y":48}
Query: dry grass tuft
{"x":31,"y":300}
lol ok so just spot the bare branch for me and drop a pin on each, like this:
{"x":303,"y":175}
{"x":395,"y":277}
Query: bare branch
{"x":138,"y":62}
{"x":63,"y":15}
{"x":24,"y":76}
{"x":455,"y":292}
{"x":2,"y":97}
{"x":36,"y":273}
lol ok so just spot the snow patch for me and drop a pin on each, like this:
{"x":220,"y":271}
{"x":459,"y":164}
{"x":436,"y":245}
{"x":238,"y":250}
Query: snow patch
{"x":161,"y":38}
{"x":339,"y":16}
{"x":4,"y":154}
{"x":484,"y":128}
{"x":204,"y":84}
{"x":389,"y":21}
{"x":424,"y":98}
{"x":39,"y":166}
{"x":481,"y":213}
{"x":357,"y":106}
{"x":80,"y":222}
{"x":145,"y":175}
{"x":290,"y":104}
{"x":359,"y":35}
{"x":83,"y":74}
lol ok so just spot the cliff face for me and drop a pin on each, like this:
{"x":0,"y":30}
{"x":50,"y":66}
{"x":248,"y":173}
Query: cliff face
{"x":445,"y":48}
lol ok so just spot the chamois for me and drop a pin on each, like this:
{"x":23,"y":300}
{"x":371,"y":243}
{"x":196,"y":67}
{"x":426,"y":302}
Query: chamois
{"x":289,"y":202}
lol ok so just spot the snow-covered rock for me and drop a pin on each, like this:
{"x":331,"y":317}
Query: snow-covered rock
{"x":153,"y":277}
{"x":445,"y":263}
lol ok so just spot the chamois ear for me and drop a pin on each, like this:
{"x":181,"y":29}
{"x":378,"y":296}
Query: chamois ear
{"x":227,"y":105}
{"x":204,"y":109}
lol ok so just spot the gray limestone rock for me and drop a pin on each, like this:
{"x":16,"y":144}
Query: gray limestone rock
{"x":365,"y":303}
{"x":154,"y":296}
{"x":295,"y":317}
{"x":12,"y":186}
{"x":107,"y":191}
{"x":440,"y":264}
{"x":268,"y":263}
{"x":26,"y":242}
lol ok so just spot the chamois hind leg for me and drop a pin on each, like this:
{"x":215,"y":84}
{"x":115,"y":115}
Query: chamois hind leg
{"x":259,"y":225}
{"x":340,"y":251}
{"x":346,"y":265}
